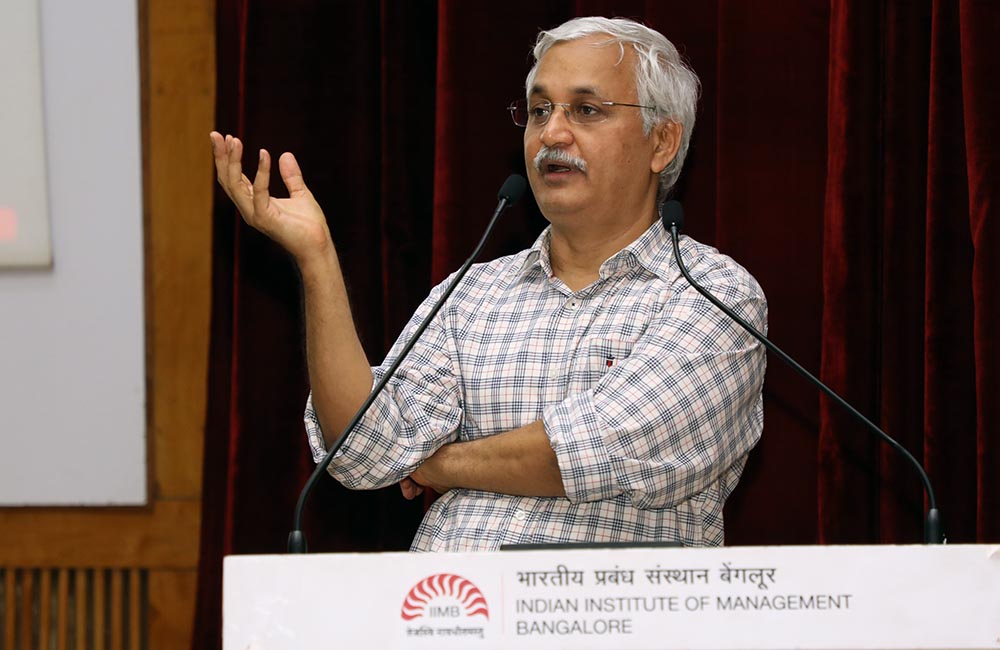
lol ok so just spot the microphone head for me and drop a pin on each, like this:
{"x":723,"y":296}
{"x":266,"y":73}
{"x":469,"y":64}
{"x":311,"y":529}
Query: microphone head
{"x":512,"y":189}
{"x":671,"y":213}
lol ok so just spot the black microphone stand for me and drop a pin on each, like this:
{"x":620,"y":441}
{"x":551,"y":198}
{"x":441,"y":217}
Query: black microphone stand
{"x":672,"y":215}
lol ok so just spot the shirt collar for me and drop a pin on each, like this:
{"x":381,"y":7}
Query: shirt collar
{"x":538,"y":255}
{"x":653,"y":251}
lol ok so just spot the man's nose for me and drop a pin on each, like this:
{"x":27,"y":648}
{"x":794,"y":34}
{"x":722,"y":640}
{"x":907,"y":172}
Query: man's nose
{"x":558,"y":129}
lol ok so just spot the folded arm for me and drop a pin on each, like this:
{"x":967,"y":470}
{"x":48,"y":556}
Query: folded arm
{"x":519,"y":462}
{"x":663,"y":425}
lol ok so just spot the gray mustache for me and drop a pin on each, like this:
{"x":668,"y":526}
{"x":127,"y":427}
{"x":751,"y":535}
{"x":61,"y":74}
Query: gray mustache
{"x":547,"y":155}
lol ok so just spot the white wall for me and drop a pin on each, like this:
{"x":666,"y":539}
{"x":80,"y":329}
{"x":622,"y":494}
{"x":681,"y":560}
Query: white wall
{"x":24,"y":210}
{"x":72,"y":369}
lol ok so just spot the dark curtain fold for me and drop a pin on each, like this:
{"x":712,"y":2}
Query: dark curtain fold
{"x":844,"y":153}
{"x":770,"y":130}
{"x":905,"y":75}
{"x":981,"y":100}
{"x":949,"y":405}
{"x":851,"y":251}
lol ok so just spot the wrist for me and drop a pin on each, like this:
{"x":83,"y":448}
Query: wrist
{"x":434,"y":472}
{"x":318,"y":265}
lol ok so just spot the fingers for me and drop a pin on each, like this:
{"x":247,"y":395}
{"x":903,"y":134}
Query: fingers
{"x":234,"y":163}
{"x":411,"y":489}
{"x":217,"y":140}
{"x":292,"y":175}
{"x":219,"y":153}
{"x":261,"y":194}
{"x":228,"y":154}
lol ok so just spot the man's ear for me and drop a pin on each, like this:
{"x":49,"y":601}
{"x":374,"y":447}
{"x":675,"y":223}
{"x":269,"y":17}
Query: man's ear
{"x":666,"y":141}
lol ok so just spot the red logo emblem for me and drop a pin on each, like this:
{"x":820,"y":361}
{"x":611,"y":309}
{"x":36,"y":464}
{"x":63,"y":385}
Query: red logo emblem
{"x":445,"y":592}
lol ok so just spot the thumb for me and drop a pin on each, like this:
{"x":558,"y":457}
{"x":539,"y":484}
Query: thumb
{"x":292,"y":175}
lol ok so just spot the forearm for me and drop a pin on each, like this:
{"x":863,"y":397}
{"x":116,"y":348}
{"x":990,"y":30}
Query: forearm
{"x":519,"y":462}
{"x":339,"y":372}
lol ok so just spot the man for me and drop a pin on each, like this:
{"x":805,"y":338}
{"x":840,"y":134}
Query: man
{"x":579,"y":391}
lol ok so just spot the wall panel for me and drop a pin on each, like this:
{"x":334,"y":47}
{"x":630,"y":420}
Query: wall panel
{"x":134,"y":568}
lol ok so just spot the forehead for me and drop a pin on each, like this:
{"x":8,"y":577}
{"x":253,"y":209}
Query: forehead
{"x":594,"y":65}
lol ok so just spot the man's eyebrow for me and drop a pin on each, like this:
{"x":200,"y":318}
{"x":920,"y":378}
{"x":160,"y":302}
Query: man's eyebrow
{"x":539,"y":89}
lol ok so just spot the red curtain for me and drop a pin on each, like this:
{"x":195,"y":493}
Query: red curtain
{"x":844,"y":153}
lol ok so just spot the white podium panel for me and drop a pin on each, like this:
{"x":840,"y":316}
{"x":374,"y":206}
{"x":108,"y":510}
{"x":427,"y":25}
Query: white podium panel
{"x":820,"y":597}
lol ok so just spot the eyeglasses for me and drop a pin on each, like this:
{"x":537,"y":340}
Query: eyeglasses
{"x":582,"y":111}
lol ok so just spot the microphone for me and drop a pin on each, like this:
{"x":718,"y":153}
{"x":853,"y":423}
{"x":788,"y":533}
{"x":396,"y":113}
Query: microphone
{"x":672,"y":216}
{"x":510,"y":193}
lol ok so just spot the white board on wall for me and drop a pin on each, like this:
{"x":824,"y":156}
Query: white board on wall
{"x":24,"y":217}
{"x":72,"y":337}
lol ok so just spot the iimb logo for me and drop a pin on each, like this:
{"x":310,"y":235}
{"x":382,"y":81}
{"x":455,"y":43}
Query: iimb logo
{"x":444,"y":596}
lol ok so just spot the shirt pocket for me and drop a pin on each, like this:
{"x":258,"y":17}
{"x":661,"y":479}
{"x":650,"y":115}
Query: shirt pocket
{"x":597,"y":357}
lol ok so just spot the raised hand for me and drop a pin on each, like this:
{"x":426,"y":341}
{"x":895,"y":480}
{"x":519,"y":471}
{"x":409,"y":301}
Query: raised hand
{"x":296,"y":223}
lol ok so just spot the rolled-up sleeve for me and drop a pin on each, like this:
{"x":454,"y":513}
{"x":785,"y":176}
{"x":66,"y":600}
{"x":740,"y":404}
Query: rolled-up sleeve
{"x":673,"y":416}
{"x":418,"y":411}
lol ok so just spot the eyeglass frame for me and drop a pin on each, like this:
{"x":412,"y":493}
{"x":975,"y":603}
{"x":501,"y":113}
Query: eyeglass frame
{"x":512,"y":108}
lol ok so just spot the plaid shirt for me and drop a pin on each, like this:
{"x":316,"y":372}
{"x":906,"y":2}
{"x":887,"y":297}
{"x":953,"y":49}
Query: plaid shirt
{"x":650,"y":396}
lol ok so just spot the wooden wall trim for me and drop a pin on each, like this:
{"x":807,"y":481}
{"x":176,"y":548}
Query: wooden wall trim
{"x":165,"y":536}
{"x":178,"y":188}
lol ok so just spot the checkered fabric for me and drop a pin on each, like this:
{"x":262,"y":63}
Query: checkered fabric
{"x":651,"y":397}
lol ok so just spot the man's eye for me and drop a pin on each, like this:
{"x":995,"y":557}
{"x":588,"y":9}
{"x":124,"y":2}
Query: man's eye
{"x":587,"y":110}
{"x":539,"y":110}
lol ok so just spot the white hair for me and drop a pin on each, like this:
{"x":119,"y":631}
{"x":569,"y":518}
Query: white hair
{"x":662,"y":78}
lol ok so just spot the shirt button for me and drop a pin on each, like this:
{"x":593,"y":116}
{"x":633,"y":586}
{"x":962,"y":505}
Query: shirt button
{"x":520,"y":515}
{"x":573,"y":304}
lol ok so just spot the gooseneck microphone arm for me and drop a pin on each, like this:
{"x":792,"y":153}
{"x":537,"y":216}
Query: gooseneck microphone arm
{"x":510,"y":193}
{"x":672,"y":215}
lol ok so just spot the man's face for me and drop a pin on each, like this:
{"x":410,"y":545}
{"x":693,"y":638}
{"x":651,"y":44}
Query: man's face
{"x":621,"y":161}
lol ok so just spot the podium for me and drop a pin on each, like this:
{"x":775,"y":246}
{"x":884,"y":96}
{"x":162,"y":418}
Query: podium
{"x":628,"y":598}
